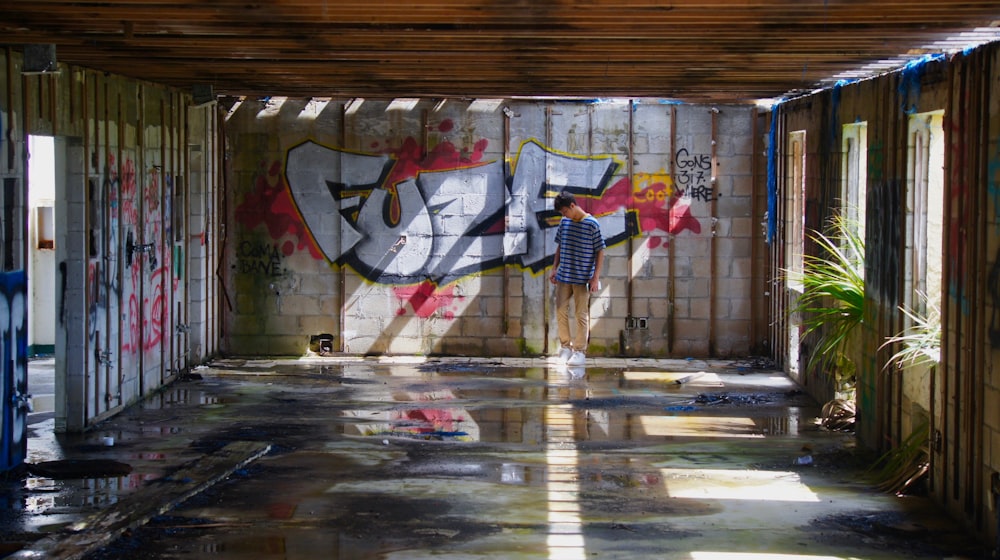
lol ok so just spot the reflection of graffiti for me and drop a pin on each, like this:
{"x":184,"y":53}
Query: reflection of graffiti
{"x":14,"y":371}
{"x":694,"y":175}
{"x":429,"y":423}
{"x":993,"y":288}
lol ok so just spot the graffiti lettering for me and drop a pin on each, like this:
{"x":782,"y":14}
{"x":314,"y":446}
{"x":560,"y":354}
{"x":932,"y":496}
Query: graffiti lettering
{"x":259,"y":258}
{"x":685,"y":160}
{"x":440,"y":225}
{"x":694,"y":175}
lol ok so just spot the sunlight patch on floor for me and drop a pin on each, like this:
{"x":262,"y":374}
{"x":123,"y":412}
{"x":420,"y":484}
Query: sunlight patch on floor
{"x":722,"y":484}
{"x":565,"y":533}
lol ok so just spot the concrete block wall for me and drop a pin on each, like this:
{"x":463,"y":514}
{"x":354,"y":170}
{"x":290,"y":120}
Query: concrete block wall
{"x":426,"y":226}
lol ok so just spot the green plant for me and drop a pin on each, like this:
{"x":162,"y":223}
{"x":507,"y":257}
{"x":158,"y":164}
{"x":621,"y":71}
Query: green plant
{"x":833,"y":292}
{"x":921,"y":340}
{"x":904,"y":465}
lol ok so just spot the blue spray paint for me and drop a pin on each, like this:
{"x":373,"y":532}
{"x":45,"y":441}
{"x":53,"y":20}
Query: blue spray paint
{"x":772,"y":175}
{"x":909,"y":81}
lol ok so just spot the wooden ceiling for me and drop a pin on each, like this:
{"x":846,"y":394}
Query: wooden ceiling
{"x":690,"y":50}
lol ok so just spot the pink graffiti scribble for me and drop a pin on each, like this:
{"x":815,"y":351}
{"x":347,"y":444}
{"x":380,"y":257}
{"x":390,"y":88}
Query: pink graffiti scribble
{"x":425,"y":299}
{"x":130,"y":214}
{"x":149,"y":318}
{"x":271,"y":204}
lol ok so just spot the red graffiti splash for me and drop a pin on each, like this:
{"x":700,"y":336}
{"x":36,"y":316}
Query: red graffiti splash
{"x":657,"y":207}
{"x":425,"y":299}
{"x":271,"y":204}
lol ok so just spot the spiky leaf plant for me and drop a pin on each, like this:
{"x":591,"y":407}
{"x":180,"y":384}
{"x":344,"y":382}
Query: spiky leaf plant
{"x":921,"y":340}
{"x":833,"y":296}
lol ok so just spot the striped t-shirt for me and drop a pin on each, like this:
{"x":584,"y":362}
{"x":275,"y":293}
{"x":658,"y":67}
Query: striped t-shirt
{"x":579,"y":243}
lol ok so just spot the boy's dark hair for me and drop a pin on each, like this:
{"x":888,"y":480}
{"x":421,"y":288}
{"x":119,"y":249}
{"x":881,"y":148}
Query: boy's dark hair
{"x":563,"y":200}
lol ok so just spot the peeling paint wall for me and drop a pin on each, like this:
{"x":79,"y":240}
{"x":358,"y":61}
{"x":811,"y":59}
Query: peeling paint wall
{"x":955,"y":402}
{"x":426,"y":226}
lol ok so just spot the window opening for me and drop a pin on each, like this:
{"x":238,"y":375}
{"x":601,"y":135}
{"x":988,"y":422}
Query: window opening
{"x":855,"y":166}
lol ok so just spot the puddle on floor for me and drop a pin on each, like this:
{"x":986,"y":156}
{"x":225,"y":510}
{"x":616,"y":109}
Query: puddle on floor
{"x":459,"y":461}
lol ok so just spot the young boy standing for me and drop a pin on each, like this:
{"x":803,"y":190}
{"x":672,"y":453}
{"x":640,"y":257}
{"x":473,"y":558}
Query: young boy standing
{"x":576,"y":273}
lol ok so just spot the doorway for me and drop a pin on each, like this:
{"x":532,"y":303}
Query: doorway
{"x":42,"y":272}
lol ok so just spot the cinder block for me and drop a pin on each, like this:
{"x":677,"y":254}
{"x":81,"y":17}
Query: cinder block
{"x":702,"y":266}
{"x":277,"y":325}
{"x":732,"y":288}
{"x":741,"y":226}
{"x":287,"y":345}
{"x":245,"y":325}
{"x":729,"y":248}
{"x":296,"y":305}
{"x":702,"y":308}
{"x":734,"y":206}
{"x":329,"y":305}
{"x":649,"y":288}
{"x":316,"y":324}
{"x":317,"y":284}
{"x":687,"y":329}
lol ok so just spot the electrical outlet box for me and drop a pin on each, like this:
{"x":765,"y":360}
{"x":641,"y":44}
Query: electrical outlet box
{"x":637,"y":323}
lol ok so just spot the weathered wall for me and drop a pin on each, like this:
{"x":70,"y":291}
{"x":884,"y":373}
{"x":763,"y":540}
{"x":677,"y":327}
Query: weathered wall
{"x":426,"y":226}
{"x":960,"y":396}
{"x":125,"y":187}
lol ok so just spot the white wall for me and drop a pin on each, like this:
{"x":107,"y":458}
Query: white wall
{"x":41,"y":262}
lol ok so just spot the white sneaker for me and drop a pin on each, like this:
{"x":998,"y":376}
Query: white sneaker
{"x":577,"y":359}
{"x":564,"y":354}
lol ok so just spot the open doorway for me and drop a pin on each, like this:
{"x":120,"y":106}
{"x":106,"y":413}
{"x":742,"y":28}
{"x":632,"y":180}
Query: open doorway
{"x":42,"y":274}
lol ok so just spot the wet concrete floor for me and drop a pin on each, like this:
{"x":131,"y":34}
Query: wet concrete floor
{"x":479,"y":458}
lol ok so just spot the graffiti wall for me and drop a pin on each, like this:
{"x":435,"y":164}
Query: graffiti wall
{"x":14,"y":394}
{"x":416,"y":226}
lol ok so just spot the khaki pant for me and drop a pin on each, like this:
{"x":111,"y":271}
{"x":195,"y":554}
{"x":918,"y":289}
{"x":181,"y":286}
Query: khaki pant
{"x":580,"y":295}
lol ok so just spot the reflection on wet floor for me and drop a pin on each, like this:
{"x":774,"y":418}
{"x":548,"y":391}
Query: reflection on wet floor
{"x":461,"y":459}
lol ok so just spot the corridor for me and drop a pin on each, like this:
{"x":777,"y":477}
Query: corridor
{"x":484,"y":458}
